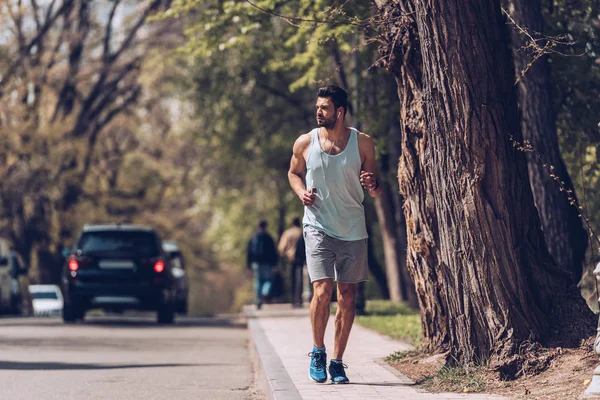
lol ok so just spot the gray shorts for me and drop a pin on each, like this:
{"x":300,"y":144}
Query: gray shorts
{"x":328,"y":257}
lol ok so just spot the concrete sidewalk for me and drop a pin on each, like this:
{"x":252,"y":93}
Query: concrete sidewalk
{"x":282,"y":340}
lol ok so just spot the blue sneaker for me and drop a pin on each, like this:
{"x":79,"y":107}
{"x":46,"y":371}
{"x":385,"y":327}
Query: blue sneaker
{"x":337,"y":373}
{"x":318,"y":361}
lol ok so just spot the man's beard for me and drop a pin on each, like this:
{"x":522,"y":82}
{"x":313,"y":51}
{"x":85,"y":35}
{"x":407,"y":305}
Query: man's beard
{"x":326,"y":123}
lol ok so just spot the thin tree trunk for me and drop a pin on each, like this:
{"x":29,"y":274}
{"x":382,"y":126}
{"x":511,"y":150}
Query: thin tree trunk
{"x":408,"y":287}
{"x":281,"y":212}
{"x":394,"y":239}
{"x":375,"y":267}
{"x":388,"y":206}
{"x":566,"y":238}
{"x":377,"y":271}
{"x":385,"y":215}
{"x":483,"y":275}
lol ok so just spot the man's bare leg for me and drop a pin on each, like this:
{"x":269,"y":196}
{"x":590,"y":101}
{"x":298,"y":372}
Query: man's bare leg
{"x":319,"y":310}
{"x":344,"y":317}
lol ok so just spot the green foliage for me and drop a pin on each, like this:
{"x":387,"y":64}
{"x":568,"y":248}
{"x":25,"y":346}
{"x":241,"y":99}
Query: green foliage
{"x":69,"y":123}
{"x":401,"y":327}
{"x":401,"y":355}
{"x":254,"y":76}
{"x":457,"y":379}
{"x":576,"y":78}
{"x":396,"y":320}
{"x":449,"y":378}
{"x":306,"y":30}
{"x":386,"y":307}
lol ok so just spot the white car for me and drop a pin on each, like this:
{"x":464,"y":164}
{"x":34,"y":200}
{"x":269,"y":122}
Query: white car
{"x":47,"y":300}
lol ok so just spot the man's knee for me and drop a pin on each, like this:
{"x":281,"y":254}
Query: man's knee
{"x":323,"y":291}
{"x":346,"y":295}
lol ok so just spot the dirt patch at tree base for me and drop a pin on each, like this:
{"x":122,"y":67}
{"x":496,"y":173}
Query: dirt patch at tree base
{"x":566,"y":377}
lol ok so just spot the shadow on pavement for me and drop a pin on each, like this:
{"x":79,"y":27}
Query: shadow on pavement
{"x":130,"y":321}
{"x":81,"y":336}
{"x":27,"y":366}
{"x":181,"y":322}
{"x":383,"y":384}
{"x":86,"y":343}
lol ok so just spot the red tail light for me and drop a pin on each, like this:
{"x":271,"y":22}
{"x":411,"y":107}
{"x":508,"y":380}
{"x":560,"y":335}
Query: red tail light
{"x":73,"y":265}
{"x":159,"y":266}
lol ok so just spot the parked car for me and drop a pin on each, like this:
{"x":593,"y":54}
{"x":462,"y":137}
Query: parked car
{"x":180,"y":275}
{"x":14,"y":283}
{"x":116,"y":268}
{"x":47,"y":300}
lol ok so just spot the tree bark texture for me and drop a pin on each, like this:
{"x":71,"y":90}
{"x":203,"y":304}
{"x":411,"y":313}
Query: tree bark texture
{"x":483,"y":275}
{"x":563,"y":229}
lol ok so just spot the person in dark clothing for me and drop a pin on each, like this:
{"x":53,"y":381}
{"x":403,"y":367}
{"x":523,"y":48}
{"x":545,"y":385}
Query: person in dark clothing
{"x":261,"y":258}
{"x":288,"y":248}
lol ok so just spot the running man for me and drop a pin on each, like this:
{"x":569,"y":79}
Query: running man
{"x":339,"y":163}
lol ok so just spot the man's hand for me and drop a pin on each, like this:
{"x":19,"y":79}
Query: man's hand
{"x":368,"y":180}
{"x":309,"y":197}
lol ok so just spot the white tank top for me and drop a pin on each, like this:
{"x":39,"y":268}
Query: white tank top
{"x":338,"y":210}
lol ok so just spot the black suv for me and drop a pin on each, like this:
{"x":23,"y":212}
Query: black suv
{"x":118,"y":267}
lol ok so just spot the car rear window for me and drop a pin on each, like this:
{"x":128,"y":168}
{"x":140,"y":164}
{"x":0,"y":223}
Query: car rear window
{"x":138,"y":242}
{"x":45,"y":295}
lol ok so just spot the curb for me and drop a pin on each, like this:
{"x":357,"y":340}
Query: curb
{"x":276,"y":381}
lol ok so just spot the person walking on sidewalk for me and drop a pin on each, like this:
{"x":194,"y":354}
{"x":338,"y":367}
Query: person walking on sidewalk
{"x":339,"y":163}
{"x":288,"y":244}
{"x":261,"y":258}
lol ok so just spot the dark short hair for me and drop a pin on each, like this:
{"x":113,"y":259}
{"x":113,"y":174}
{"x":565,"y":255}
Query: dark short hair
{"x":296,"y":221}
{"x":262,"y":224}
{"x":337,"y":95}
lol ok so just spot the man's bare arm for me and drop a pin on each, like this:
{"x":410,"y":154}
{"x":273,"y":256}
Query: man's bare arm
{"x":297,"y":169}
{"x":369,"y":175}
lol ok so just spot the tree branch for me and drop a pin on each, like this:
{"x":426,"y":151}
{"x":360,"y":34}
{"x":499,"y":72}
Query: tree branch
{"x":108,"y":31}
{"x":100,"y":124}
{"x":40,"y":34}
{"x":151,"y":8}
{"x":36,"y":8}
{"x":100,"y":97}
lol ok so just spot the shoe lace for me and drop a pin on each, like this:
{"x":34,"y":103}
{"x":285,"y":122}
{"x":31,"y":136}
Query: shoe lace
{"x":338,"y":368}
{"x":319,"y":360}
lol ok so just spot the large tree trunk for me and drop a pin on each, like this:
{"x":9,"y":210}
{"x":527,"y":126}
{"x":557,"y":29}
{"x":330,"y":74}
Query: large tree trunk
{"x":565,"y":236}
{"x":484,"y":278}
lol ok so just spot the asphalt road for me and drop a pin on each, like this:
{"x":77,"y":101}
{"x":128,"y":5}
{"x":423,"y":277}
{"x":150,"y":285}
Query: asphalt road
{"x":125,"y":357}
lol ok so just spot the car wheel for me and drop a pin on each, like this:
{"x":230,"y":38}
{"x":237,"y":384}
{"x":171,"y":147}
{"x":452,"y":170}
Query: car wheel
{"x":15,"y":306}
{"x":80,"y":314}
{"x":166,"y":314}
{"x":68,"y":313}
{"x":182,"y":307}
{"x":71,"y":313}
